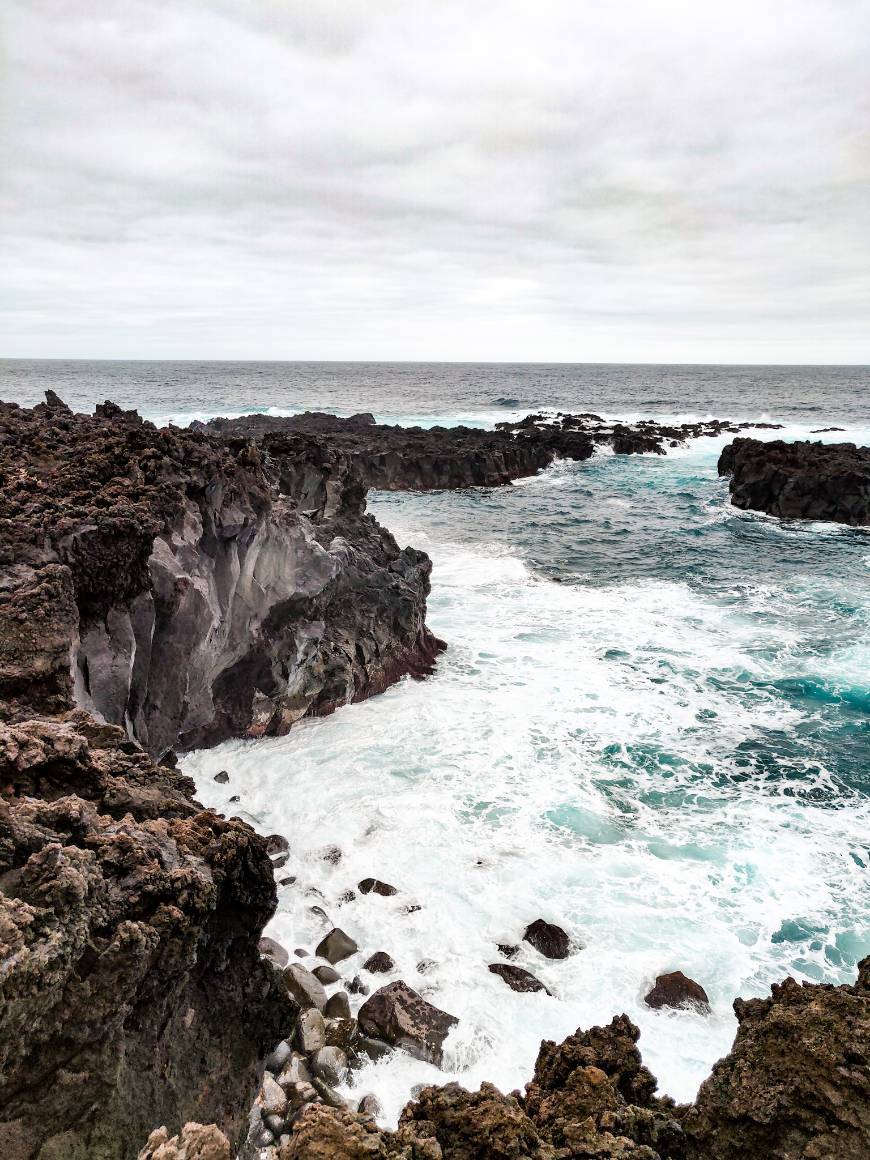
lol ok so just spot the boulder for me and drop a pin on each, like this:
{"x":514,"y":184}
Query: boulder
{"x":548,"y":939}
{"x":336,"y":946}
{"x":306,"y":988}
{"x":399,"y":1017}
{"x":375,"y":886}
{"x":273,"y":951}
{"x":379,"y":963}
{"x":329,"y":1064}
{"x":272,"y":1098}
{"x":326,"y":975}
{"x":222,"y":777}
{"x":337,"y":1006}
{"x":310,"y":1031}
{"x":516,"y":978}
{"x":676,"y":990}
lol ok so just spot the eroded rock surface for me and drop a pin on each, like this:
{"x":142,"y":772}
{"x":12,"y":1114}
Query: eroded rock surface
{"x":802,"y":480}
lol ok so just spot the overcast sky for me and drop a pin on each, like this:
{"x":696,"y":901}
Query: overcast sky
{"x":556,"y":180}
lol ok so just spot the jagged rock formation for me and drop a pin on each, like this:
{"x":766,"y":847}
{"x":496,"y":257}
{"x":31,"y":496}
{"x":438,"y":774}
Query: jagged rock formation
{"x":195,"y":1142}
{"x":159,"y":589}
{"x":132,"y":992}
{"x":412,"y":458}
{"x":809,"y":481}
{"x":165,"y":582}
{"x":795,"y":1086}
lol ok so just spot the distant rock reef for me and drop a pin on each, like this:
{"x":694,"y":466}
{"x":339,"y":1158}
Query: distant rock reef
{"x":804,"y":480}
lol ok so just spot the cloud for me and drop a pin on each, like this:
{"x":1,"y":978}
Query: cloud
{"x":461,"y":180}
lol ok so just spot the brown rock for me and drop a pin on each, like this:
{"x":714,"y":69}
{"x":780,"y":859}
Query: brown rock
{"x":195,"y":1142}
{"x":375,"y":886}
{"x":547,"y":938}
{"x":516,"y":978}
{"x":379,"y":963}
{"x":401,"y":1018}
{"x":676,"y":990}
{"x":336,"y":946}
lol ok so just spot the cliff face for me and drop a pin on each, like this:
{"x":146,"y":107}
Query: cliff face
{"x":159,"y":589}
{"x":132,"y":990}
{"x":809,"y":481}
{"x":160,"y":580}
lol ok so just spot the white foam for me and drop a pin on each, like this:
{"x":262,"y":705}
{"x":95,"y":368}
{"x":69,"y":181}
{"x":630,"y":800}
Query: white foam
{"x":551,"y":768}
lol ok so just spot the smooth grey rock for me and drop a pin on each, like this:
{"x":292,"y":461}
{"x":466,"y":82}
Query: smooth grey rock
{"x":273,"y":1099}
{"x":327,"y":1094}
{"x":222,"y":777}
{"x":310,"y":1031}
{"x":295,"y":1071}
{"x":374,"y":1049}
{"x":300,"y":1094}
{"x":273,"y":951}
{"x":277,"y":844}
{"x":398,"y":1016}
{"x":276,"y":1060}
{"x":304,"y":987}
{"x":329,"y":1064}
{"x":357,"y":987}
{"x":326,"y":975}
{"x":337,"y":1006}
{"x":336,"y":946}
{"x":275,"y":1124}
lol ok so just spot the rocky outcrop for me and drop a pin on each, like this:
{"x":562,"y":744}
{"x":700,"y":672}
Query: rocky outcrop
{"x":167,"y":582}
{"x":417,"y":459}
{"x":807,"y":481}
{"x":194,"y":1142}
{"x":132,"y":992}
{"x":796,"y":1083}
{"x":796,"y":1086}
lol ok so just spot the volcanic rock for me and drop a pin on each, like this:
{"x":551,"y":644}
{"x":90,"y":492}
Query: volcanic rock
{"x":379,"y":963}
{"x":804,"y":480}
{"x":375,"y":886}
{"x":336,"y":946}
{"x":548,"y":939}
{"x":516,"y":978}
{"x":195,"y":1142}
{"x":676,"y":990}
{"x":400,"y":1017}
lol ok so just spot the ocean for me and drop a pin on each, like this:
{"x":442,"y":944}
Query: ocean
{"x":651,"y":726}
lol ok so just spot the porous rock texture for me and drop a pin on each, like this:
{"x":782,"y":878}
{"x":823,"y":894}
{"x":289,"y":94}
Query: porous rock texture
{"x":131,"y":991}
{"x":194,"y":1142}
{"x":795,"y":1086}
{"x":160,"y":590}
{"x":802,"y":480}
{"x":182,"y":586}
{"x":424,"y":459}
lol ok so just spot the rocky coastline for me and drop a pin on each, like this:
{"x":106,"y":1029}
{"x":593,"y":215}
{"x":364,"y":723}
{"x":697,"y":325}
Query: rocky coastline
{"x":162,"y":590}
{"x":802,"y":480}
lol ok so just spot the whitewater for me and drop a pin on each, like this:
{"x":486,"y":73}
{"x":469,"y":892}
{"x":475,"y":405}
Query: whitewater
{"x":650,"y":727}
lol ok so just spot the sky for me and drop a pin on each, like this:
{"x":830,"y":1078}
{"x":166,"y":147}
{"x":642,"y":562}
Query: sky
{"x":563,"y":180}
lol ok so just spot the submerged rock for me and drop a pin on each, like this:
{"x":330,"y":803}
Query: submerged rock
{"x":398,"y":1016}
{"x":547,"y":938}
{"x":676,"y":990}
{"x":375,"y":886}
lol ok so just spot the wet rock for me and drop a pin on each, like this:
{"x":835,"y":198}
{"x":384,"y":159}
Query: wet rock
{"x":357,"y":987}
{"x":310,"y":1031}
{"x":273,"y":951}
{"x":326,"y":975}
{"x":336,"y":946}
{"x":337,"y":1006}
{"x":235,"y":798}
{"x":379,"y":963}
{"x":301,"y":953}
{"x":426,"y":966}
{"x":329,"y":1064}
{"x":375,"y":886}
{"x":802,"y":480}
{"x":411,"y":908}
{"x":276,"y":844}
{"x":290,"y":880}
{"x":194,"y":1142}
{"x":341,"y":1031}
{"x":398,"y":1016}
{"x":332,"y":854}
{"x":272,"y":1098}
{"x":548,"y":939}
{"x":328,"y":1094}
{"x":509,"y":950}
{"x":346,"y":896}
{"x":275,"y":1124}
{"x":370,"y":1105}
{"x":279,"y":1056}
{"x":222,"y":777}
{"x":305,"y":988}
{"x":676,"y":990}
{"x":295,"y":1070}
{"x":516,"y":978}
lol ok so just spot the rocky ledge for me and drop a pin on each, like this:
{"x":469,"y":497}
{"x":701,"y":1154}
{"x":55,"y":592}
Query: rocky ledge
{"x":804,"y":480}
{"x":417,"y":459}
{"x":182,"y":586}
